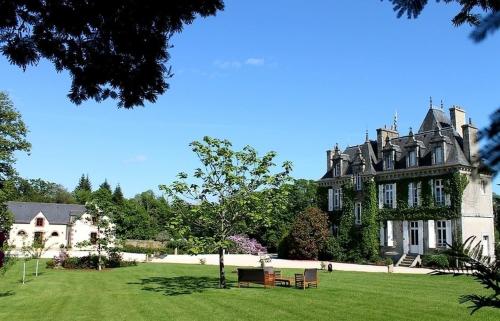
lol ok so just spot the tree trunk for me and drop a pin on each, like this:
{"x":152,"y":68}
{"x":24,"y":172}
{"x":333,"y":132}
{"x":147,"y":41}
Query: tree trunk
{"x":2,"y":255}
{"x":222,"y":274}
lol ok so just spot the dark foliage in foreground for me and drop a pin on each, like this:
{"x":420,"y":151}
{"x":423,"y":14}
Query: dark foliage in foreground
{"x":114,"y":49}
{"x":485,"y":270}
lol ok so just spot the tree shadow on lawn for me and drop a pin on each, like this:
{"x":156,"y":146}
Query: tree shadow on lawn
{"x":4,"y":294}
{"x":179,"y":285}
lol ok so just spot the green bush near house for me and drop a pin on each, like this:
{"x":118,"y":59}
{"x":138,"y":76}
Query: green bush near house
{"x":435,"y":260}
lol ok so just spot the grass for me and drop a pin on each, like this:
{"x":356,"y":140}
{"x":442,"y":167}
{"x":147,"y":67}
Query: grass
{"x":188,"y":292}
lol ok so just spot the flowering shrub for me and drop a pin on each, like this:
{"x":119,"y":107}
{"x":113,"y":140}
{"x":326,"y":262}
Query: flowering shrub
{"x":60,"y":258}
{"x":242,"y":244}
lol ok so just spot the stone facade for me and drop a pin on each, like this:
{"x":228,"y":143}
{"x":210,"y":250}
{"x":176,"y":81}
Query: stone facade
{"x":442,"y":148}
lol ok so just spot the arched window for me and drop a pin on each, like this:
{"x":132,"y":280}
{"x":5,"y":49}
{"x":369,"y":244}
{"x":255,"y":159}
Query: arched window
{"x":54,"y":234}
{"x":21,"y":233}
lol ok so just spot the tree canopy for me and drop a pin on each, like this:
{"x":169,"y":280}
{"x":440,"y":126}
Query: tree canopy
{"x":13,"y":133}
{"x":112,"y":49}
{"x":469,"y":13}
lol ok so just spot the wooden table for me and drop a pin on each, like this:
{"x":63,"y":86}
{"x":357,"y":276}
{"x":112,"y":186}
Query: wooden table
{"x":284,"y":280}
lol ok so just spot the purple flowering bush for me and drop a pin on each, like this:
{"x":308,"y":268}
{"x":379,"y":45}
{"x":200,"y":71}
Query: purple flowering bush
{"x":242,"y":244}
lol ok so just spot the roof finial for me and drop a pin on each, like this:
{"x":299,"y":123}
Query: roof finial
{"x":430,"y":102}
{"x":366,"y":136}
{"x":396,"y":121}
{"x":442,"y":106}
{"x":411,"y":132}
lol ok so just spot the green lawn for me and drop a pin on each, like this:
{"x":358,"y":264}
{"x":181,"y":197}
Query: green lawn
{"x":188,"y":292}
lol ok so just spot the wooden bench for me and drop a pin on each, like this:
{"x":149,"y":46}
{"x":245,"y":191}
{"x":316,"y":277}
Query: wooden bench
{"x":263,"y":276}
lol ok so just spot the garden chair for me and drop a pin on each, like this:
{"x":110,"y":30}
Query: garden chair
{"x":307,"y":279}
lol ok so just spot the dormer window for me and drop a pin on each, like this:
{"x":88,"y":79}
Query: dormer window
{"x":389,"y":161}
{"x":336,"y":169}
{"x":411,"y":158}
{"x":438,"y":155}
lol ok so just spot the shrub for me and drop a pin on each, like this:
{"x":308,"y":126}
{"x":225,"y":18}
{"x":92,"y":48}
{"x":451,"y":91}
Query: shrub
{"x":203,"y":261}
{"x":435,"y":260}
{"x":308,"y":235}
{"x":242,"y":244}
{"x":332,"y":251}
{"x":50,"y":264}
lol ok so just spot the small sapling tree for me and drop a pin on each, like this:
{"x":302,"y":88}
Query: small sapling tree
{"x":230,"y":192}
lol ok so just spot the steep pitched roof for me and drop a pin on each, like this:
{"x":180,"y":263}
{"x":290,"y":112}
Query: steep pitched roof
{"x":435,"y":119}
{"x":24,"y":212}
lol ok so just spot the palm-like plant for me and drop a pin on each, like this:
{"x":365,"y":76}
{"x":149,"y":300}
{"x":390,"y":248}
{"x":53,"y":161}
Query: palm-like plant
{"x":469,"y":259}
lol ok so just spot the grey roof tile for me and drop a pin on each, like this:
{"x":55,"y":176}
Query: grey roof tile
{"x":24,"y":212}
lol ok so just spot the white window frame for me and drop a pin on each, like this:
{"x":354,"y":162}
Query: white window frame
{"x":411,"y":158}
{"x":413,"y":194}
{"x":441,"y":233}
{"x":484,"y":185}
{"x":357,"y":213}
{"x":337,"y":168}
{"x":358,"y":182}
{"x":337,"y":198}
{"x":439,"y":196}
{"x":438,"y":157}
{"x":389,"y":160}
{"x":388,"y":195}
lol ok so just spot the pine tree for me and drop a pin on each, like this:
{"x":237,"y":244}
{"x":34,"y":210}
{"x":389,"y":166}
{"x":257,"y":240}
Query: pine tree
{"x":118,"y":195}
{"x":105,"y":186}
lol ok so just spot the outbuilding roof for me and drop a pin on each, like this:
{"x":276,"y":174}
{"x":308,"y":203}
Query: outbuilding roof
{"x":59,"y":214}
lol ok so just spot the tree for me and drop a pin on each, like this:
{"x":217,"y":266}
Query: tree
{"x":308,"y":235}
{"x":118,"y":195}
{"x":469,"y":14}
{"x":13,"y":133}
{"x":224,"y":193}
{"x":39,"y":190}
{"x":114,"y":49}
{"x":101,"y":210}
{"x":83,"y":190}
{"x":84,"y":184}
{"x":105,"y":186}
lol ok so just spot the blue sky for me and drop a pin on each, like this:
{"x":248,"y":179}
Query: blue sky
{"x":291,"y":76}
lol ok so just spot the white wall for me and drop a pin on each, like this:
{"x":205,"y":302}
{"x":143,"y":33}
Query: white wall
{"x":78,"y":232}
{"x":479,"y":226}
{"x":31,"y":228}
{"x":474,"y":201}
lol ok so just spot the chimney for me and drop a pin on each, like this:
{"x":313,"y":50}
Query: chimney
{"x":471,"y":146}
{"x":457,"y":116}
{"x":382,"y":134}
{"x":329,"y":162}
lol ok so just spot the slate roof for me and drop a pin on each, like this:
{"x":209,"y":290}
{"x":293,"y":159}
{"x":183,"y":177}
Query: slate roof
{"x":436,"y":126}
{"x":435,"y":119}
{"x":24,"y":212}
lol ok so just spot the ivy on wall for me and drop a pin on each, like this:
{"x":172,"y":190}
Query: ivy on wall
{"x":369,"y":220}
{"x":346,"y":228}
{"x":454,"y":185}
{"x":362,"y":241}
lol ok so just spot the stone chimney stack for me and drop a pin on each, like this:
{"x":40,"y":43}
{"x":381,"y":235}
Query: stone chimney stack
{"x":382,"y":134}
{"x":329,"y":162}
{"x":471,"y":146}
{"x":457,"y":116}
